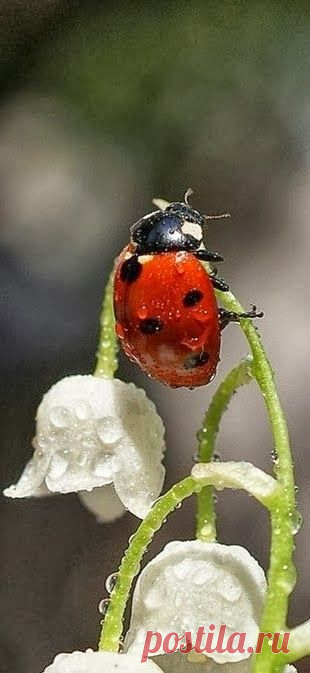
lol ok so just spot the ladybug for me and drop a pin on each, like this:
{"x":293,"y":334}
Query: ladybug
{"x":167,"y":317}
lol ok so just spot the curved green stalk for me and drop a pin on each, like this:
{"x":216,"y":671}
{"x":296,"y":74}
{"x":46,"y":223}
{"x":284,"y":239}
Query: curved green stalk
{"x":281,"y":574}
{"x":107,"y":362}
{"x":238,"y":376}
{"x":112,"y":625}
{"x":299,"y":643}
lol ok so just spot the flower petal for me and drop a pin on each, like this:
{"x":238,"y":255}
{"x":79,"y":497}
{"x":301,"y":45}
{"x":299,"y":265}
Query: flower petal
{"x":231,"y":474}
{"x":103,"y":503}
{"x":194,"y":584}
{"x":93,"y":431}
{"x":99,"y":662}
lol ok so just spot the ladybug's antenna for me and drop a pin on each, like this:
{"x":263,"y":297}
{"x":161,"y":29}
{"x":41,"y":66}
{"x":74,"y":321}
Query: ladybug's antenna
{"x":216,"y":217}
{"x":187,"y":194}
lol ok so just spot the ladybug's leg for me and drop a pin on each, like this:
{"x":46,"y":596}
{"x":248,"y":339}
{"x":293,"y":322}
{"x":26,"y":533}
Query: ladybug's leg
{"x":226,"y":317}
{"x":219,"y":284}
{"x":208,"y":256}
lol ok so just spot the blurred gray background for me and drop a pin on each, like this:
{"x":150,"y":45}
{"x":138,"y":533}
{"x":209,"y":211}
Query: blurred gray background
{"x":103,"y":106}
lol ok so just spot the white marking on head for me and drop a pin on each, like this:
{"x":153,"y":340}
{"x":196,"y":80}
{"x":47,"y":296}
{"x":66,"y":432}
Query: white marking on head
{"x":145,"y":258}
{"x":193,"y":229}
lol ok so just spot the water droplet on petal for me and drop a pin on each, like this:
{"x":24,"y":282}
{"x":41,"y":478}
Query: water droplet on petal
{"x":89,"y":443}
{"x":82,"y":458}
{"x":109,"y":429}
{"x":60,"y":417}
{"x":200,"y":577}
{"x":82,"y":410}
{"x":58,"y":465}
{"x":41,"y":441}
{"x":102,"y":466}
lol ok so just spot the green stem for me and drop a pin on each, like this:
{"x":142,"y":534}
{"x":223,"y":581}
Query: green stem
{"x":107,"y":362}
{"x":112,"y":625}
{"x":281,"y":574}
{"x":238,"y":376}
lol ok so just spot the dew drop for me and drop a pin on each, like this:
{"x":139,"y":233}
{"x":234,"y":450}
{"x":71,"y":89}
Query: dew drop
{"x":274,"y":455}
{"x":89,"y":443}
{"x":82,"y":410}
{"x":103,"y":605}
{"x":142,"y":313}
{"x":41,"y":441}
{"x":110,"y":582}
{"x":207,"y":531}
{"x":296,"y":522}
{"x":102,"y":464}
{"x":60,"y":417}
{"x":82,"y":458}
{"x":288,"y":582}
{"x":200,"y":577}
{"x":58,"y":465}
{"x":119,"y":330}
{"x":109,"y":429}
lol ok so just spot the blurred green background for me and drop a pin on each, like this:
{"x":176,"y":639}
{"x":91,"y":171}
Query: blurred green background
{"x":103,"y":106}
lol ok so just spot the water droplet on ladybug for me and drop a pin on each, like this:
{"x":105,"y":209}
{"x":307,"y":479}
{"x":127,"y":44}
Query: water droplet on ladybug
{"x":119,"y":330}
{"x":142,"y":313}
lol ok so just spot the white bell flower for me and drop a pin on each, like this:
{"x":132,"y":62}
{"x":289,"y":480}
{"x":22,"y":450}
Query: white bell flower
{"x":182,"y":663}
{"x":100,"y":662}
{"x":196,"y":584}
{"x":110,"y":662}
{"x":90,"y":432}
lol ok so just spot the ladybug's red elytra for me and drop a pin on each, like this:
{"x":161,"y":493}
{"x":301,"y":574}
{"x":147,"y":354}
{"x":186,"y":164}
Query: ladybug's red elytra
{"x":167,"y":317}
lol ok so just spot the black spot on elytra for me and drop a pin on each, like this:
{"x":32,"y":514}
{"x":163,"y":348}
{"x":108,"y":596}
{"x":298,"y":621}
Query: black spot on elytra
{"x":192,"y":297}
{"x":150,"y":325}
{"x":197,"y":360}
{"x":131,"y":269}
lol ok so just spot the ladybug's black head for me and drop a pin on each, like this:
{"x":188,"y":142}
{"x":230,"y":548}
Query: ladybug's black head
{"x":178,"y":227}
